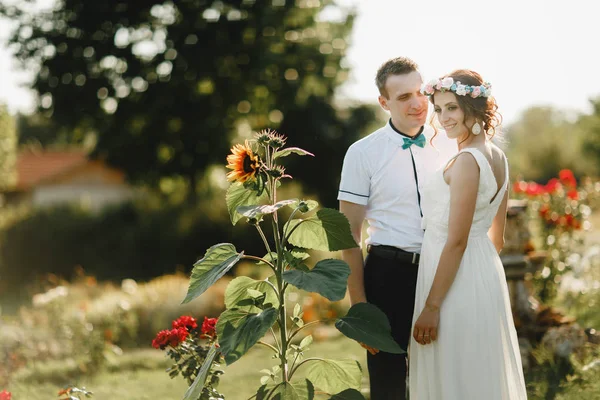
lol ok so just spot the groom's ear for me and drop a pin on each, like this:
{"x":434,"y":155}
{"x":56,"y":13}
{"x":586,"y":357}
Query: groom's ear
{"x":383,"y":102}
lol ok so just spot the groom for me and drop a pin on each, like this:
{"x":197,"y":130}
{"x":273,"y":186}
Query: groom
{"x":382,"y":181}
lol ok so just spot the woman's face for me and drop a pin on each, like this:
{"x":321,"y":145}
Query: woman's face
{"x":451,"y":116}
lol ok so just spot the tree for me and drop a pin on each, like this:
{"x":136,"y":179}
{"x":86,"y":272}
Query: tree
{"x":542,"y":142}
{"x":8,"y":148}
{"x":165,"y":86}
{"x":590,"y":126}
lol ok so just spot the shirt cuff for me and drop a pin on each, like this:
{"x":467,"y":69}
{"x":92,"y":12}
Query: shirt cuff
{"x":353,"y":197}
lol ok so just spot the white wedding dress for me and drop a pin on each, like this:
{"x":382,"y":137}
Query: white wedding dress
{"x":476,"y":355}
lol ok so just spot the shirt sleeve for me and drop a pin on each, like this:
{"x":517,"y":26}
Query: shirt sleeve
{"x":356,"y":181}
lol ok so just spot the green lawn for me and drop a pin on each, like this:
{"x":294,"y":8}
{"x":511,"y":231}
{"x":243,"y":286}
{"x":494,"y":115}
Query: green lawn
{"x":142,"y":377}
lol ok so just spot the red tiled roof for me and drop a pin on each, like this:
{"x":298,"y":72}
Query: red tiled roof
{"x":35,"y":167}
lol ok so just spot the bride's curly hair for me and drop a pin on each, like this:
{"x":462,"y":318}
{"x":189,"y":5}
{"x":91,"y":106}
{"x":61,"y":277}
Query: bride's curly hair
{"x":482,"y":109}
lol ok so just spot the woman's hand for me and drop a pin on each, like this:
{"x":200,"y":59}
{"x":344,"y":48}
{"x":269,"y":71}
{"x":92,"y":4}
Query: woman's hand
{"x":426,"y":327}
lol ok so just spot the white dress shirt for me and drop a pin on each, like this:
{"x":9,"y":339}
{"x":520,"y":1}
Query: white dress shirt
{"x":379,"y":174}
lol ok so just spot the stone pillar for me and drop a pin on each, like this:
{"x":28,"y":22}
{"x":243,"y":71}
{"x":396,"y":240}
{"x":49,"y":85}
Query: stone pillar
{"x":518,"y":262}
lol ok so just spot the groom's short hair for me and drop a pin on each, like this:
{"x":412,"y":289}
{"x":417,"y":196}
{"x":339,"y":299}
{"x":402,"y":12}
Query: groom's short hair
{"x":395,"y":66}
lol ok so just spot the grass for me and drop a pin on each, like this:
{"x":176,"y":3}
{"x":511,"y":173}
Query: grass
{"x":140,"y":375}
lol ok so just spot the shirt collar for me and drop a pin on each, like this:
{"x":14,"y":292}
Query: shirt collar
{"x":398,"y":136}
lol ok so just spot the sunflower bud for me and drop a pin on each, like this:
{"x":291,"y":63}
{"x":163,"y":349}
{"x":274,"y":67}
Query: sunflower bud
{"x":303,"y":207}
{"x":263,"y":137}
{"x":277,"y":141}
{"x":276,"y":172}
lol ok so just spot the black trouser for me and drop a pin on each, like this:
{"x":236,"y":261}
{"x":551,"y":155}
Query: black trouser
{"x":390,"y":285}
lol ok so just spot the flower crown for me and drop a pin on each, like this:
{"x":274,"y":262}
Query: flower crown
{"x":448,"y":84}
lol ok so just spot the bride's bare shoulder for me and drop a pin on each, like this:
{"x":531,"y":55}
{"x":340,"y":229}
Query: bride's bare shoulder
{"x":497,"y":156}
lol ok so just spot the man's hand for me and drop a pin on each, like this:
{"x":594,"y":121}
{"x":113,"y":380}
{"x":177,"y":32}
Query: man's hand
{"x":370,"y":349}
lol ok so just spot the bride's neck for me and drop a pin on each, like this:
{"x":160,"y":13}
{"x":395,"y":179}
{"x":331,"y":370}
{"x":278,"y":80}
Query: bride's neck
{"x":471,"y":141}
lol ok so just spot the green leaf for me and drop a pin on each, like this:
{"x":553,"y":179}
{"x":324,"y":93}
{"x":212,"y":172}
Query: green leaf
{"x":237,"y":290}
{"x":327,"y":230}
{"x":255,"y":211}
{"x":305,"y":342}
{"x":294,"y":259}
{"x":348,"y":394}
{"x":366,"y":323}
{"x":297,"y":310}
{"x":329,"y":278}
{"x":303,"y":390}
{"x":216,"y":262}
{"x":237,"y":195}
{"x":333,"y":376}
{"x":239,"y":330}
{"x":195,"y":390}
{"x":290,"y":150}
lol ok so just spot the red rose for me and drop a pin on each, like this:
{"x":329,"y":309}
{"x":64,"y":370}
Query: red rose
{"x":566,"y":176}
{"x":161,"y":340}
{"x":169,"y":338}
{"x":519,"y":186}
{"x":5,"y":395}
{"x":185,"y":321}
{"x":534,"y":189}
{"x":552,"y":186}
{"x":573,"y":194}
{"x":177,"y":336}
{"x":544,"y":209}
{"x":208,"y":326}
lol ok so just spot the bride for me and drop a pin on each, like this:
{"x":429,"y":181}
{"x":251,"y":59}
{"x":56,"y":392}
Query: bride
{"x":464,"y":344}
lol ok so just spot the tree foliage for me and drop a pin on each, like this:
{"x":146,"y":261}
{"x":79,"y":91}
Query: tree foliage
{"x":590,"y":125}
{"x":163,"y":87}
{"x":8,"y":148}
{"x":545,"y":140}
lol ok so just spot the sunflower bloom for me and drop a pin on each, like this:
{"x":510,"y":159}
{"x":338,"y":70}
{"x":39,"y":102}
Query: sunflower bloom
{"x":243,"y":163}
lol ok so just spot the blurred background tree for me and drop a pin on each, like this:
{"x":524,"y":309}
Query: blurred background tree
{"x":161,"y":89}
{"x":8,"y":148}
{"x":544,"y":140}
{"x":590,"y":124}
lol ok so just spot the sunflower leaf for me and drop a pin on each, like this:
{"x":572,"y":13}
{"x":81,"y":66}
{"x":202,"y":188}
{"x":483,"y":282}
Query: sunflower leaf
{"x":290,"y":150}
{"x":237,"y":195}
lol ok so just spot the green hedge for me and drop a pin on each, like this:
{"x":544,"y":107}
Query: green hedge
{"x":130,"y":241}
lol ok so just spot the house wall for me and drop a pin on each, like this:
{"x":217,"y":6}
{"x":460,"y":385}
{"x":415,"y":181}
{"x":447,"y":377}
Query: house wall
{"x":93,"y":185}
{"x":91,"y":196}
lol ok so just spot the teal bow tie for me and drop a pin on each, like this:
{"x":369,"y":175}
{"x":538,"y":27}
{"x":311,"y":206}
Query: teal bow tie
{"x":419,"y":141}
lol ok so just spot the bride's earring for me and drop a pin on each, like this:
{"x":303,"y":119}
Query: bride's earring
{"x":476,"y":129}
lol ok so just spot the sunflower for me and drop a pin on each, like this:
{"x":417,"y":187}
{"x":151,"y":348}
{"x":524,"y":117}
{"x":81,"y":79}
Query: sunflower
{"x":243,"y":163}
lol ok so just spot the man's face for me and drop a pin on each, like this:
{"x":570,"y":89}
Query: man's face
{"x":407,"y":106}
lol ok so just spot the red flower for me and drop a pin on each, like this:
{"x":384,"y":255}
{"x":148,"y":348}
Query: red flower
{"x":186,"y":322}
{"x":519,"y":187}
{"x":169,"y":338}
{"x":5,"y":395}
{"x":552,"y":186}
{"x":208,"y":326}
{"x":573,"y":194}
{"x":177,"y":336}
{"x":534,"y":189}
{"x":544,"y":209}
{"x":566,"y":176}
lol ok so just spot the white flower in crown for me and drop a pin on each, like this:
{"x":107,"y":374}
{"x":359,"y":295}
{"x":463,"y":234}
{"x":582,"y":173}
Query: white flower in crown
{"x":428,"y":88}
{"x":447,"y":83}
{"x":461,"y":89}
{"x":486,"y":90}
